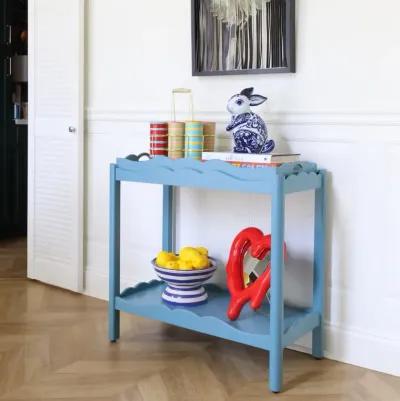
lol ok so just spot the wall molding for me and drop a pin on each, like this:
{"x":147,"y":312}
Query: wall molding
{"x":309,"y":118}
{"x":295,"y":126}
{"x":342,"y":344}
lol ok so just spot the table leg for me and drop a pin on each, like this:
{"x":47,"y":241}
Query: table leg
{"x":168,"y":234}
{"x":277,"y":309}
{"x":319,"y":268}
{"x":114,"y":255}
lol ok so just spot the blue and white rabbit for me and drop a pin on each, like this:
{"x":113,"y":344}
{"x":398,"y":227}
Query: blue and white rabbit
{"x":249,"y":130}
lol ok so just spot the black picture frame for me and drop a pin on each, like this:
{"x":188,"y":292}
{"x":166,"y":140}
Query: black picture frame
{"x":290,"y":38}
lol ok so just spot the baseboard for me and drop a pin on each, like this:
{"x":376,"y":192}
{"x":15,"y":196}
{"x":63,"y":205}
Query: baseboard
{"x":357,"y":348}
{"x":342,"y":344}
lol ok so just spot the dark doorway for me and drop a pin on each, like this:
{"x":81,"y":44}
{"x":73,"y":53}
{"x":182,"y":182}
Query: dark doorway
{"x":13,"y":137}
{"x":13,"y":117}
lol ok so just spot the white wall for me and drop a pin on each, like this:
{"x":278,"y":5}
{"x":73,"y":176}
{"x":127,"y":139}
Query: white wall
{"x":341,"y":110}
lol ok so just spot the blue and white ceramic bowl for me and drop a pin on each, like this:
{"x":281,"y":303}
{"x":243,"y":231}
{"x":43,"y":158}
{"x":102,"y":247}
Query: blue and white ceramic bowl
{"x":185,"y":287}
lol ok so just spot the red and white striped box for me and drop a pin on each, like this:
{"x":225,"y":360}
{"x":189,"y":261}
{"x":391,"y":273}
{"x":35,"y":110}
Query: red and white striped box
{"x":159,"y":139}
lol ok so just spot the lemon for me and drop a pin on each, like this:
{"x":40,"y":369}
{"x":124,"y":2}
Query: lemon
{"x":202,"y":250}
{"x":188,"y":254}
{"x":185,"y":265}
{"x":172,"y":264}
{"x":164,"y":257}
{"x":185,"y":249}
{"x":201,"y":262}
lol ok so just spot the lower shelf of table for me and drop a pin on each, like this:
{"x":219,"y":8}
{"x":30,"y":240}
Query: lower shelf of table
{"x":252,"y":328}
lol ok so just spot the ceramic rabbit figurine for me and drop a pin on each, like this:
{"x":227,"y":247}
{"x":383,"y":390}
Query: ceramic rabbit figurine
{"x":248,"y":129}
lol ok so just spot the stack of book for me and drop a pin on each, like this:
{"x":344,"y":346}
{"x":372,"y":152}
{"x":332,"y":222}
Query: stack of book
{"x":252,"y":160}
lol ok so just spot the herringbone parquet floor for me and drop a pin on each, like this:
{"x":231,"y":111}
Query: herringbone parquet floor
{"x":53,"y":346}
{"x":13,"y":258}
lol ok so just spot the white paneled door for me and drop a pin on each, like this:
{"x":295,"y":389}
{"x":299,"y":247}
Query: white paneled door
{"x":56,"y":131}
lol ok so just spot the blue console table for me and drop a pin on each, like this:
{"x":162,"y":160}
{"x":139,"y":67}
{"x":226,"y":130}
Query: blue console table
{"x":272,"y":328}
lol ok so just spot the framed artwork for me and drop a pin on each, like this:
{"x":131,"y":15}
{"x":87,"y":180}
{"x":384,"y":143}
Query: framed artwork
{"x":243,"y":37}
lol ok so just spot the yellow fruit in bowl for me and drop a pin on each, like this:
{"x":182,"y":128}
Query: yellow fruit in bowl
{"x":164,"y":257}
{"x":185,"y":265}
{"x":188,"y":253}
{"x":185,"y":249}
{"x":202,"y":250}
{"x":201,"y":262}
{"x":172,"y":264}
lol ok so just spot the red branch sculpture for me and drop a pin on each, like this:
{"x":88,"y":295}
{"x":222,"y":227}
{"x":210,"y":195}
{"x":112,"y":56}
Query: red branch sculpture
{"x":259,"y":244}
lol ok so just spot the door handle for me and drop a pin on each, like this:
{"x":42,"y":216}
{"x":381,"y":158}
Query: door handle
{"x":71,"y":130}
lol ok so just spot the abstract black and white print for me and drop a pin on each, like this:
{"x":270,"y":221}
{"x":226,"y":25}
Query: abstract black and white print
{"x":240,"y":35}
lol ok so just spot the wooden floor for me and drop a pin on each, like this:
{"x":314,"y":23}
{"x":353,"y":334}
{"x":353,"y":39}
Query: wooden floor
{"x":13,"y":258}
{"x":53,"y":346}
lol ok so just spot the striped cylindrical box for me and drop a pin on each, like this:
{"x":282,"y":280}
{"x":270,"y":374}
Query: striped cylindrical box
{"x":194,"y":139}
{"x":176,"y":140}
{"x":209,"y":136}
{"x":159,"y":139}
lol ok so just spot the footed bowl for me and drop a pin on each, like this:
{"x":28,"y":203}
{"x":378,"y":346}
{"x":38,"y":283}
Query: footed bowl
{"x":185,"y":287}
